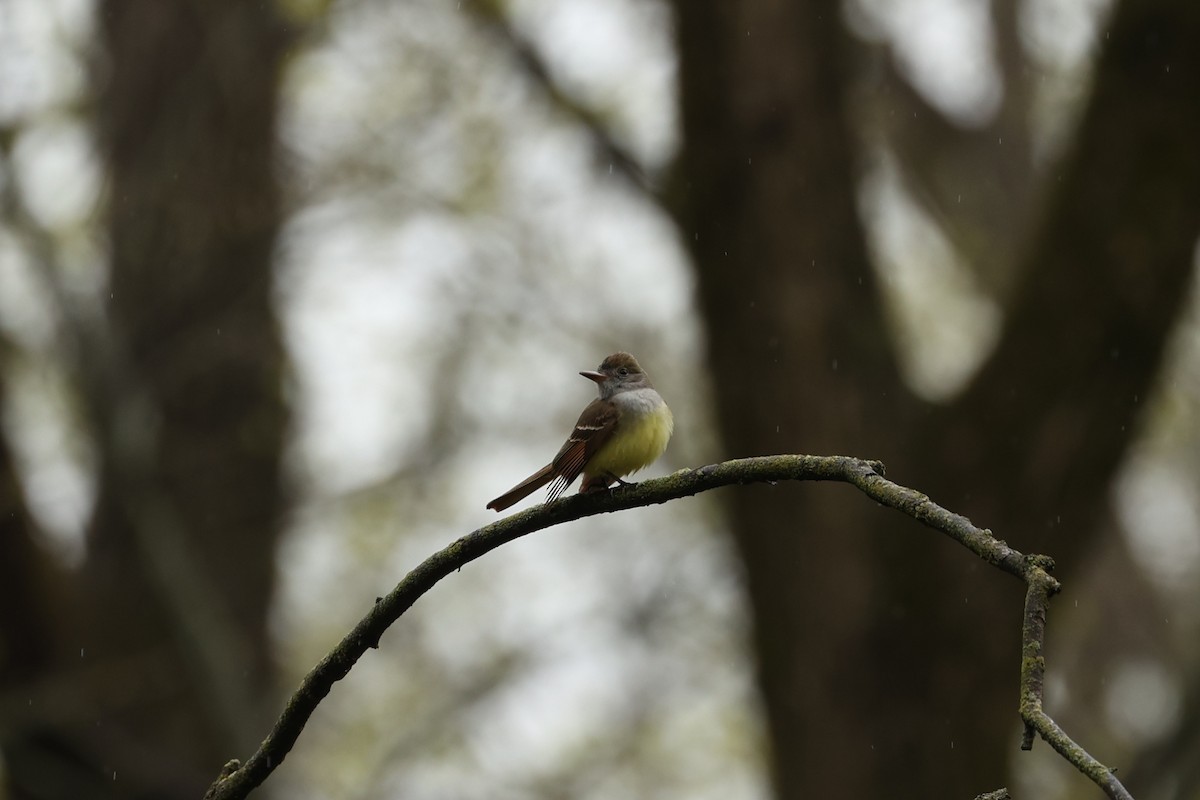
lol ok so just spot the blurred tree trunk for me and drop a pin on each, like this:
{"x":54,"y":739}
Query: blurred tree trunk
{"x":888,"y":658}
{"x":161,"y":658}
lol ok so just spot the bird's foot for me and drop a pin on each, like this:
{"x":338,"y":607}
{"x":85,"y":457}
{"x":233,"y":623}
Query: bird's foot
{"x":621,"y":483}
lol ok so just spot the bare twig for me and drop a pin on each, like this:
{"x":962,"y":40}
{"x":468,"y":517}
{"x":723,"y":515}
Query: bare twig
{"x":1033,"y":670}
{"x":237,"y":780}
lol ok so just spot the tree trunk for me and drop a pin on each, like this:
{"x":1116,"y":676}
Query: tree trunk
{"x":887,"y":657}
{"x":161,"y":658}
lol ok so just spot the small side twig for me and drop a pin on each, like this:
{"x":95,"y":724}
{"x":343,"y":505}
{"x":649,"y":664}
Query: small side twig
{"x":1033,"y":674}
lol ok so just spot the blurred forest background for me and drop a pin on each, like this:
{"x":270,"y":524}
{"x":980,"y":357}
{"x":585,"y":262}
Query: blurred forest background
{"x":289,"y":291}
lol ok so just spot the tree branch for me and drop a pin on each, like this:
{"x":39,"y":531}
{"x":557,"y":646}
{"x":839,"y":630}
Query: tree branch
{"x":1033,"y":671}
{"x":999,"y":794}
{"x":238,"y":780}
{"x":609,"y":148}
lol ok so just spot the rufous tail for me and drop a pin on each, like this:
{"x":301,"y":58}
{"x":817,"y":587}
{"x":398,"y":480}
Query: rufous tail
{"x":523,"y":489}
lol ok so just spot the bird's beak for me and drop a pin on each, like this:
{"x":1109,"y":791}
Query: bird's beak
{"x":598,"y":377}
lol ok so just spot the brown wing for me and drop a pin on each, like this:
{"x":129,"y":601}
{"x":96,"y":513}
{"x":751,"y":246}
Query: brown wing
{"x":595,"y":427}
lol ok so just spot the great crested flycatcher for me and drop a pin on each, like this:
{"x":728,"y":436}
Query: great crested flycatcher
{"x":622,"y":431}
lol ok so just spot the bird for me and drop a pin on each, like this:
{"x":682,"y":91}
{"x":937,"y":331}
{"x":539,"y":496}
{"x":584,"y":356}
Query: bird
{"x":623,"y":430}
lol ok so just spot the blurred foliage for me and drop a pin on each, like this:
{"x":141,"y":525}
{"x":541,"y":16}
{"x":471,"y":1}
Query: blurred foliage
{"x":463,"y":234}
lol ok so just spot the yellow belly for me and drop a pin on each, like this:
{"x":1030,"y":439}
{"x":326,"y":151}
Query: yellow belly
{"x":635,"y":445}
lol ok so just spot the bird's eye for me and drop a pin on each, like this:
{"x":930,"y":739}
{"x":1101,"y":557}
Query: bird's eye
{"x":623,"y":371}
